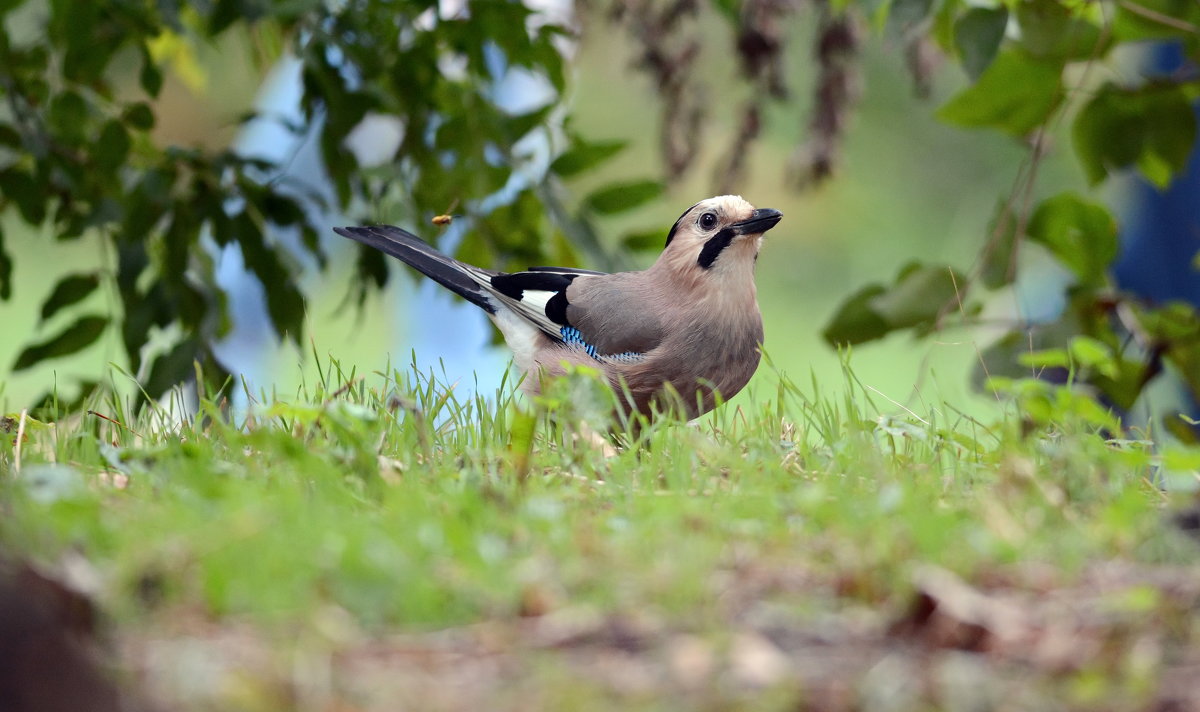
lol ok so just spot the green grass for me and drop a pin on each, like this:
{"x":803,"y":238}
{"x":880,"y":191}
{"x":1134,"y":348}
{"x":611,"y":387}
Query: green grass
{"x":422,"y":552}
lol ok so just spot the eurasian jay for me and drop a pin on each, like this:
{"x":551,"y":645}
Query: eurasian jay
{"x":690,"y":323}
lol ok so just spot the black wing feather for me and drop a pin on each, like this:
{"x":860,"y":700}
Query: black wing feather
{"x":514,"y":285}
{"x":545,"y":305}
{"x":415,"y":252}
{"x":566,"y":270}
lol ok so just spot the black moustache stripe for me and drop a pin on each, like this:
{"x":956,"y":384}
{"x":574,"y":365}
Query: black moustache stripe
{"x":715,"y":245}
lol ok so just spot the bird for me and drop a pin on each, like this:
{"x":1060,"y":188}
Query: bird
{"x":687,"y":331}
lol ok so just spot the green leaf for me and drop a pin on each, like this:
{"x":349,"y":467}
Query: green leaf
{"x":139,"y":116}
{"x":1174,"y":326}
{"x":227,"y":12}
{"x":281,"y":209}
{"x":585,"y":155}
{"x":7,"y":6}
{"x":645,"y":239}
{"x":1106,"y":134}
{"x":9,"y":137}
{"x":285,"y":303}
{"x":6,"y":266}
{"x":1170,"y":133}
{"x":311,"y":239}
{"x":73,"y":339}
{"x":941,"y":29}
{"x":19,"y":187}
{"x":68,"y":117}
{"x":1016,"y":94}
{"x":1152,"y":127}
{"x":619,"y":197}
{"x":977,"y":36}
{"x":547,"y":54}
{"x":1093,"y":354}
{"x":1080,"y":233}
{"x":855,"y":322}
{"x":112,"y":149}
{"x":518,"y":125}
{"x":172,"y":367}
{"x":151,"y":77}
{"x":1049,"y":28}
{"x":71,"y":289}
{"x":920,"y":293}
{"x":1120,"y":380}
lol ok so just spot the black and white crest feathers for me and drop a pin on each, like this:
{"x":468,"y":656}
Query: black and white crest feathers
{"x":675,"y":227}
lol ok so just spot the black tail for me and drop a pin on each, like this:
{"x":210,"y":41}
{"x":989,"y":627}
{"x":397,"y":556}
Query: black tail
{"x":415,"y":252}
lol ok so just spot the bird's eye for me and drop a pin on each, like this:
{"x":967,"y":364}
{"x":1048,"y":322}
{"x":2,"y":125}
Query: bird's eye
{"x":708,"y":221}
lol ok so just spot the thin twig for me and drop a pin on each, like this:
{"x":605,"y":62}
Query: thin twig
{"x":1155,"y":16}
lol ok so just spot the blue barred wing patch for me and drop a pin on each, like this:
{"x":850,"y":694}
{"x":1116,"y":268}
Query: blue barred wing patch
{"x":572,"y":337}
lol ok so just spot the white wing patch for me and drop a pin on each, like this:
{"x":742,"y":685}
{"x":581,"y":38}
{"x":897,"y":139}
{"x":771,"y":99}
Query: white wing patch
{"x":536,"y":299}
{"x":521,"y":301}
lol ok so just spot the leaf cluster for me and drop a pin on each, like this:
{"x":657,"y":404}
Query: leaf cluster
{"x":80,"y":158}
{"x":1032,"y":64}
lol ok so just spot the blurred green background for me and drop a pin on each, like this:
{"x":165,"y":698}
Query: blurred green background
{"x":908,"y":188}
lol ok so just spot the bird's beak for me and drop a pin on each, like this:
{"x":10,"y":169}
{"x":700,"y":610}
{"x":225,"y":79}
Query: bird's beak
{"x":760,"y":221}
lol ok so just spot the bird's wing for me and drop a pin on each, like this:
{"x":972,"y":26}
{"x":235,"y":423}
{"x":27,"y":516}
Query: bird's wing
{"x":602,"y":314}
{"x":590,"y":310}
{"x":616,"y":315}
{"x":566,"y":270}
{"x":537,"y":295}
{"x":469,"y":282}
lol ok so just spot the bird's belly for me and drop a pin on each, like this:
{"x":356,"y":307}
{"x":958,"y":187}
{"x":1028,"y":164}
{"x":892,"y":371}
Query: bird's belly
{"x":697,"y":367}
{"x":712,"y":367}
{"x":525,"y":339}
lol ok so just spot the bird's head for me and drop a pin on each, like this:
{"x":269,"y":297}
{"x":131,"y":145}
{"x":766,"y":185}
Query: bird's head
{"x":717,"y":238}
